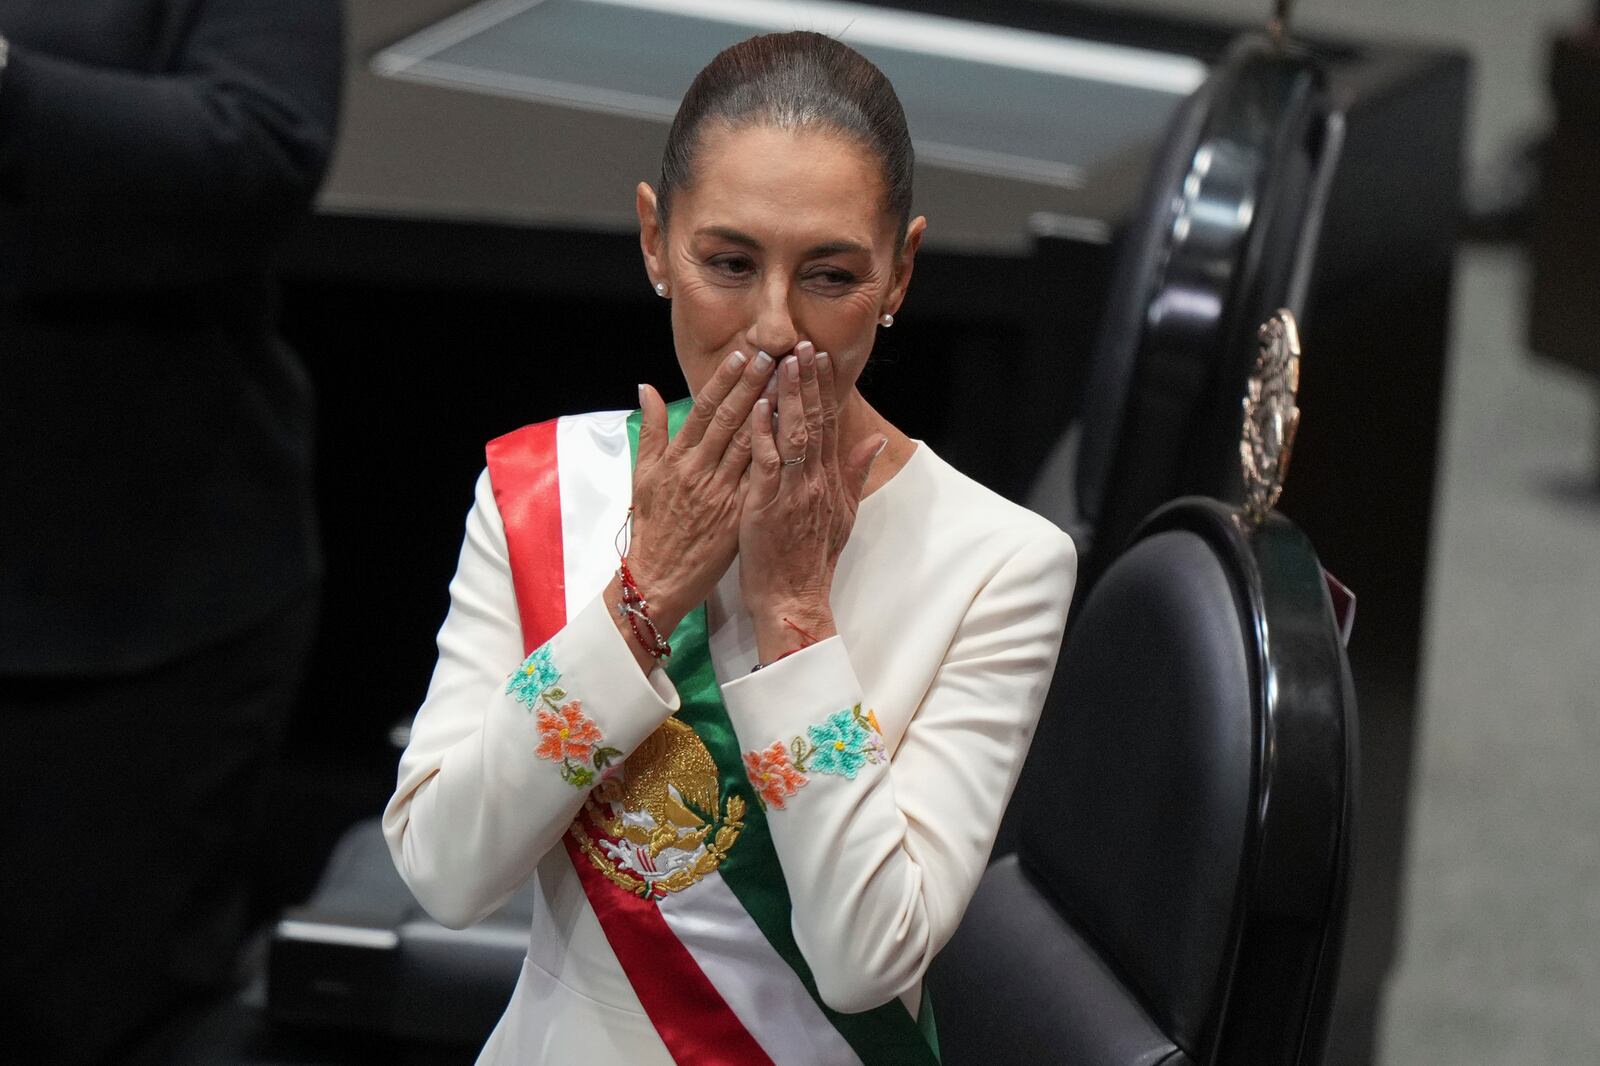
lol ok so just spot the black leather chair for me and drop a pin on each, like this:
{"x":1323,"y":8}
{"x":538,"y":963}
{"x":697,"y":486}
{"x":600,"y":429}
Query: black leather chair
{"x":1184,"y":821}
{"x":1224,"y":234}
{"x":362,"y":955}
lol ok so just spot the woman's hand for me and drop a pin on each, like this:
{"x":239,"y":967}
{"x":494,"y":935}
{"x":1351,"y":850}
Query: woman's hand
{"x":687,"y":491}
{"x":799,"y":506}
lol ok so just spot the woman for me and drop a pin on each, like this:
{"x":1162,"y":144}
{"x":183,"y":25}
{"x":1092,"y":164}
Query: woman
{"x":761,"y":736}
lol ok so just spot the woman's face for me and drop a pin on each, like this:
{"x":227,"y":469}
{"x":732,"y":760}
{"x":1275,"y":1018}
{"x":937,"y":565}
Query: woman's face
{"x":781,"y":237}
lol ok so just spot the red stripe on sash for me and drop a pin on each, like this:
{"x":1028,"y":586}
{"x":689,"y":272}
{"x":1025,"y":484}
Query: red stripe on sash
{"x":694,"y":1021}
{"x":527,"y":490}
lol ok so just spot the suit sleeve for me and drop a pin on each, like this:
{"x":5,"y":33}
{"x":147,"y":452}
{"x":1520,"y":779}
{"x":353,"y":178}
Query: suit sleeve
{"x":882,"y":855}
{"x":505,"y":747}
{"x":147,"y":179}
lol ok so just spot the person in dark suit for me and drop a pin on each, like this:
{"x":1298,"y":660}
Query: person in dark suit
{"x":158,"y":560}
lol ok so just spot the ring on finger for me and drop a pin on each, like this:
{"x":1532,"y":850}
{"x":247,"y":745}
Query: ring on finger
{"x":796,"y":461}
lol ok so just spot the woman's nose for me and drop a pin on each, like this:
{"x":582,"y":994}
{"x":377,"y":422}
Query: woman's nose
{"x":773,"y":330}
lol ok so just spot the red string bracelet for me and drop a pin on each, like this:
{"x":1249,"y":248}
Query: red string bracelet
{"x":634,"y":607}
{"x":807,"y":637}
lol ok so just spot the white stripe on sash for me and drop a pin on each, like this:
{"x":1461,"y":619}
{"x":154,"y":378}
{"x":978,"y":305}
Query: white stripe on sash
{"x":758,"y":984}
{"x":596,"y":472}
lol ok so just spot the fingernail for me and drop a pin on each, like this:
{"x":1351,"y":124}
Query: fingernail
{"x":763,"y":361}
{"x":762,"y":407}
{"x":802,"y":345}
{"x":822,"y":360}
{"x":882,"y":444}
{"x":641,"y":395}
{"x":736,"y":359}
{"x":791,"y":367}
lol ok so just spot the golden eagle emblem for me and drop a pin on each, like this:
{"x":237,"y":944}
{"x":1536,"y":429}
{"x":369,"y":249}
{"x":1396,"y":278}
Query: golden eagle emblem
{"x":660,"y":824}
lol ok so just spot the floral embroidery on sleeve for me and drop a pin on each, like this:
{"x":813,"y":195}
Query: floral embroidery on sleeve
{"x":840,"y":745}
{"x":772,"y":776}
{"x":566,"y":735}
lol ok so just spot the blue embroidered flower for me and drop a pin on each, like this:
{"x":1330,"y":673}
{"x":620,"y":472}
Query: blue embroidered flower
{"x":536,"y":674}
{"x":839,"y":744}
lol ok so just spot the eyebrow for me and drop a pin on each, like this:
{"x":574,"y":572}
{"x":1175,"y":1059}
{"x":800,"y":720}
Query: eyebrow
{"x":739,"y":237}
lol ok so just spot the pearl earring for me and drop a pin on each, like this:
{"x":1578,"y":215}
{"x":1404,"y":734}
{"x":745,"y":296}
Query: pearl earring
{"x":661,"y":288}
{"x":887,"y":320}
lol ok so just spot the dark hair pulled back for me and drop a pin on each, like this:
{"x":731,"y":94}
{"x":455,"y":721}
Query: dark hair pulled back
{"x":793,"y":81}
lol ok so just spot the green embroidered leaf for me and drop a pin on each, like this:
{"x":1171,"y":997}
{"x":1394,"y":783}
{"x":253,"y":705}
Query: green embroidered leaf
{"x":605,"y":757}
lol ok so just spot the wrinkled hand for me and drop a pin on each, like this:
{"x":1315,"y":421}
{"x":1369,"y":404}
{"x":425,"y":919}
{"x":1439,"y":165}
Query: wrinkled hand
{"x":798,"y":515}
{"x":687,"y":492}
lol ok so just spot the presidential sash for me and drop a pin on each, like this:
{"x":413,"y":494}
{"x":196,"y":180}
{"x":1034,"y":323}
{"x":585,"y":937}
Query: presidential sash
{"x":673,"y":851}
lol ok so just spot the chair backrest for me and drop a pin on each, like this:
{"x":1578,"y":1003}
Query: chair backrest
{"x":1223,"y":235}
{"x":1178,"y":887}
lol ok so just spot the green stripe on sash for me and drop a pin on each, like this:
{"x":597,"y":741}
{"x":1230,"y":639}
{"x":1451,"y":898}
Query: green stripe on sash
{"x":883,"y":1036}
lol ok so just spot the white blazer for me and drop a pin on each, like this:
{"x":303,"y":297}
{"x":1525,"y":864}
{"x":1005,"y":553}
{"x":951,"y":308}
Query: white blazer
{"x":950,"y":603}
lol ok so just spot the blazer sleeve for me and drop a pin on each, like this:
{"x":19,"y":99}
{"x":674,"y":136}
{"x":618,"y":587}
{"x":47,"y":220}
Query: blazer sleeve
{"x":882,"y":856}
{"x":505,"y":748}
{"x":123,"y":176}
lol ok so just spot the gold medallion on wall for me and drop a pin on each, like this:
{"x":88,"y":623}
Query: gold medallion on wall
{"x":1271,"y":415}
{"x":661,"y":823}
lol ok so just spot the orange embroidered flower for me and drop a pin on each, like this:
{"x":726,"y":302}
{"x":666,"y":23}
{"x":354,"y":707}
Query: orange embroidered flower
{"x":772,"y":775}
{"x":566,"y":733}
